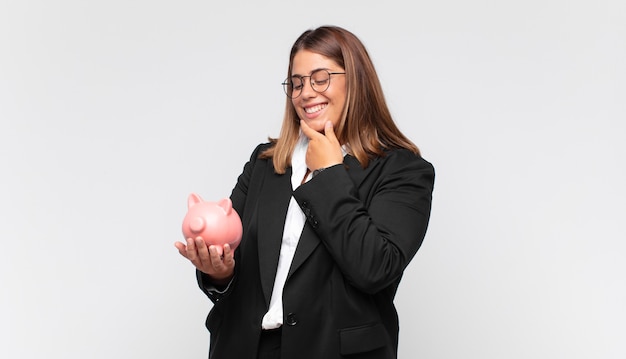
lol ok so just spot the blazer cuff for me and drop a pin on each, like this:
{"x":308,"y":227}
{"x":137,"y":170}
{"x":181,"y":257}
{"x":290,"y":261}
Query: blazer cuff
{"x":214,"y":292}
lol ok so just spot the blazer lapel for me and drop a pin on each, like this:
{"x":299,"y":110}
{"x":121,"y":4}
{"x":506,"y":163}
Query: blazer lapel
{"x":272,"y":210}
{"x":307,"y":243}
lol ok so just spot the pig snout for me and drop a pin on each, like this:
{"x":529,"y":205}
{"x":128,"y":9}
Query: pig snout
{"x":197,"y":224}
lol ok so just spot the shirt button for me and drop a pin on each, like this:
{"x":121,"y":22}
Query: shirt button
{"x":291,"y":319}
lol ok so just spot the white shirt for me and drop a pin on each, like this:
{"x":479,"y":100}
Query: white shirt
{"x":294,"y":223}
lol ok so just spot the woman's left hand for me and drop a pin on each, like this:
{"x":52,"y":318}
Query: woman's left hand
{"x":324,"y":148}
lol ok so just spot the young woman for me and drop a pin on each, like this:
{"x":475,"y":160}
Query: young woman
{"x":333,"y":211}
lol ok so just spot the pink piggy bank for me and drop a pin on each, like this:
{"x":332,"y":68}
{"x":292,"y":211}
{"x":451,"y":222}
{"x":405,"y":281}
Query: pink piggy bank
{"x":216,"y":222}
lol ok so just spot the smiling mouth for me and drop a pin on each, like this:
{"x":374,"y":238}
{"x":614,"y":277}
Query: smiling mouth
{"x":315,"y":108}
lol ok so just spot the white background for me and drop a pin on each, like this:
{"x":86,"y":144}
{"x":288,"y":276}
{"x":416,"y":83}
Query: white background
{"x":112,"y":112}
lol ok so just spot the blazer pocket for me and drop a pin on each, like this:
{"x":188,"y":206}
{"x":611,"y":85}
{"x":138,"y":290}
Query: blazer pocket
{"x":362,"y":338}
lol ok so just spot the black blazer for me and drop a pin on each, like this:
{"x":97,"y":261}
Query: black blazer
{"x":363,"y":227}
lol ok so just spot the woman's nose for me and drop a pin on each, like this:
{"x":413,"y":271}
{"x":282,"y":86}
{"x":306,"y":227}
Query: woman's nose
{"x":307,"y":89}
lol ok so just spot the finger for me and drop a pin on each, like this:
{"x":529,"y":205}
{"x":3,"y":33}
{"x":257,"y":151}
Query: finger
{"x":229,"y":255}
{"x":216,"y":253}
{"x":182,"y":248}
{"x":192,"y":253}
{"x":203,"y":251}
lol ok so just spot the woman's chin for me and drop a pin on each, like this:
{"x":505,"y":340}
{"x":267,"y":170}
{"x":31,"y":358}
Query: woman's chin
{"x":316,"y":124}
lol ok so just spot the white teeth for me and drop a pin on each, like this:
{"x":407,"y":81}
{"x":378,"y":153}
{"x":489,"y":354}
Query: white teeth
{"x":314,"y":108}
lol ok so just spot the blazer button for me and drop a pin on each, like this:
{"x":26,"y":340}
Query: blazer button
{"x":291,"y":319}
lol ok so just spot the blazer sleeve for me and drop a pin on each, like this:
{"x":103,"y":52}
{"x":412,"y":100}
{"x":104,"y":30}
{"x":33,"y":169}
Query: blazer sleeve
{"x":374,"y":228}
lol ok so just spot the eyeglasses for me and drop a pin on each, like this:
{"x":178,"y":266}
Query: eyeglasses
{"x":320,"y":81}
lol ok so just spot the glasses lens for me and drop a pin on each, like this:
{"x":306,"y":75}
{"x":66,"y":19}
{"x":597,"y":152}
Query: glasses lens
{"x":292,"y":87}
{"x":320,"y":80}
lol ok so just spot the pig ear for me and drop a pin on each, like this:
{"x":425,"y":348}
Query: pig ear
{"x":193,"y":199}
{"x":226,"y":204}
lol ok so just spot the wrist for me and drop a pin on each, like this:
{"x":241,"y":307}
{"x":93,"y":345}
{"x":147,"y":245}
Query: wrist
{"x":317,"y":171}
{"x":217,"y":281}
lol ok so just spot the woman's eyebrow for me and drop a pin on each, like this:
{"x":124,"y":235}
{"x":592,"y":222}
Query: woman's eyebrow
{"x":320,"y":68}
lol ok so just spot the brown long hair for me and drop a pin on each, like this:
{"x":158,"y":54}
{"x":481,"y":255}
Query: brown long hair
{"x":366,"y":125}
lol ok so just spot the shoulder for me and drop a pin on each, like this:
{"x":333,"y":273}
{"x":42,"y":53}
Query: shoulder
{"x":403,"y":159}
{"x":262,"y":147}
{"x":259,"y":150}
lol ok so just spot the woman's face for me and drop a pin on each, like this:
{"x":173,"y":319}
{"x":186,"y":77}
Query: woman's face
{"x":316,"y":108}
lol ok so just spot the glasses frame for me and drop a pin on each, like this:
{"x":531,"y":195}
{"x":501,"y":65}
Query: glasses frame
{"x":286,"y":83}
